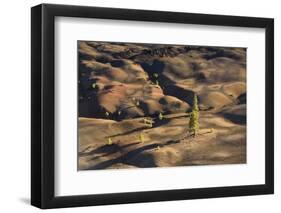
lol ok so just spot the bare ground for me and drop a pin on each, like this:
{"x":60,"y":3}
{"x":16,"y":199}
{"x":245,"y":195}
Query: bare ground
{"x":167,"y":143}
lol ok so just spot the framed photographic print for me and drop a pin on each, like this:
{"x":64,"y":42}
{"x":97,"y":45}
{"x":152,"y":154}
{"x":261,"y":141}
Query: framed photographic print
{"x":140,"y":106}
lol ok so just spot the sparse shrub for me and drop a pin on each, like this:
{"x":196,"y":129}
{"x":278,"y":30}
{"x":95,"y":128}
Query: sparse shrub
{"x":141,"y":137}
{"x":148,"y":121}
{"x":145,"y":121}
{"x":109,"y":141}
{"x":194,"y":118}
{"x":160,"y":116}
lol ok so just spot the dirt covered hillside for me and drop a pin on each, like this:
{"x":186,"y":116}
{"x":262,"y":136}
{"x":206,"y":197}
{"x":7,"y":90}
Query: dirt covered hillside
{"x":135,"y":102}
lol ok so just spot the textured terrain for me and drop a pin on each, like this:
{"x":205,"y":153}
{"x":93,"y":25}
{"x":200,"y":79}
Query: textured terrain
{"x":124,"y":89}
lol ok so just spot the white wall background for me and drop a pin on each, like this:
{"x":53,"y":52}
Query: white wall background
{"x":15,"y":105}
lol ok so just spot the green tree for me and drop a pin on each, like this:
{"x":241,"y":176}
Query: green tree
{"x":109,"y":141}
{"x":194,"y":117}
{"x":141,"y":137}
{"x":160,"y":116}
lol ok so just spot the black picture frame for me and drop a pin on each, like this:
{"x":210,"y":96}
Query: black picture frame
{"x":43,"y":102}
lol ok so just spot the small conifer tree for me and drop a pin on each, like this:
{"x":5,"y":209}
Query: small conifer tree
{"x":109,"y":141}
{"x":194,"y":117}
{"x":141,"y":137}
{"x":160,"y":116}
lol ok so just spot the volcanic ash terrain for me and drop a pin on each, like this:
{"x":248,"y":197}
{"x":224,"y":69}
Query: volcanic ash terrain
{"x":135,"y":102}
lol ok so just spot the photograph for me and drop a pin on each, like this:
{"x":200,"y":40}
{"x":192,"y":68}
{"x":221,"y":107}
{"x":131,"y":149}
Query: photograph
{"x":143,"y":105}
